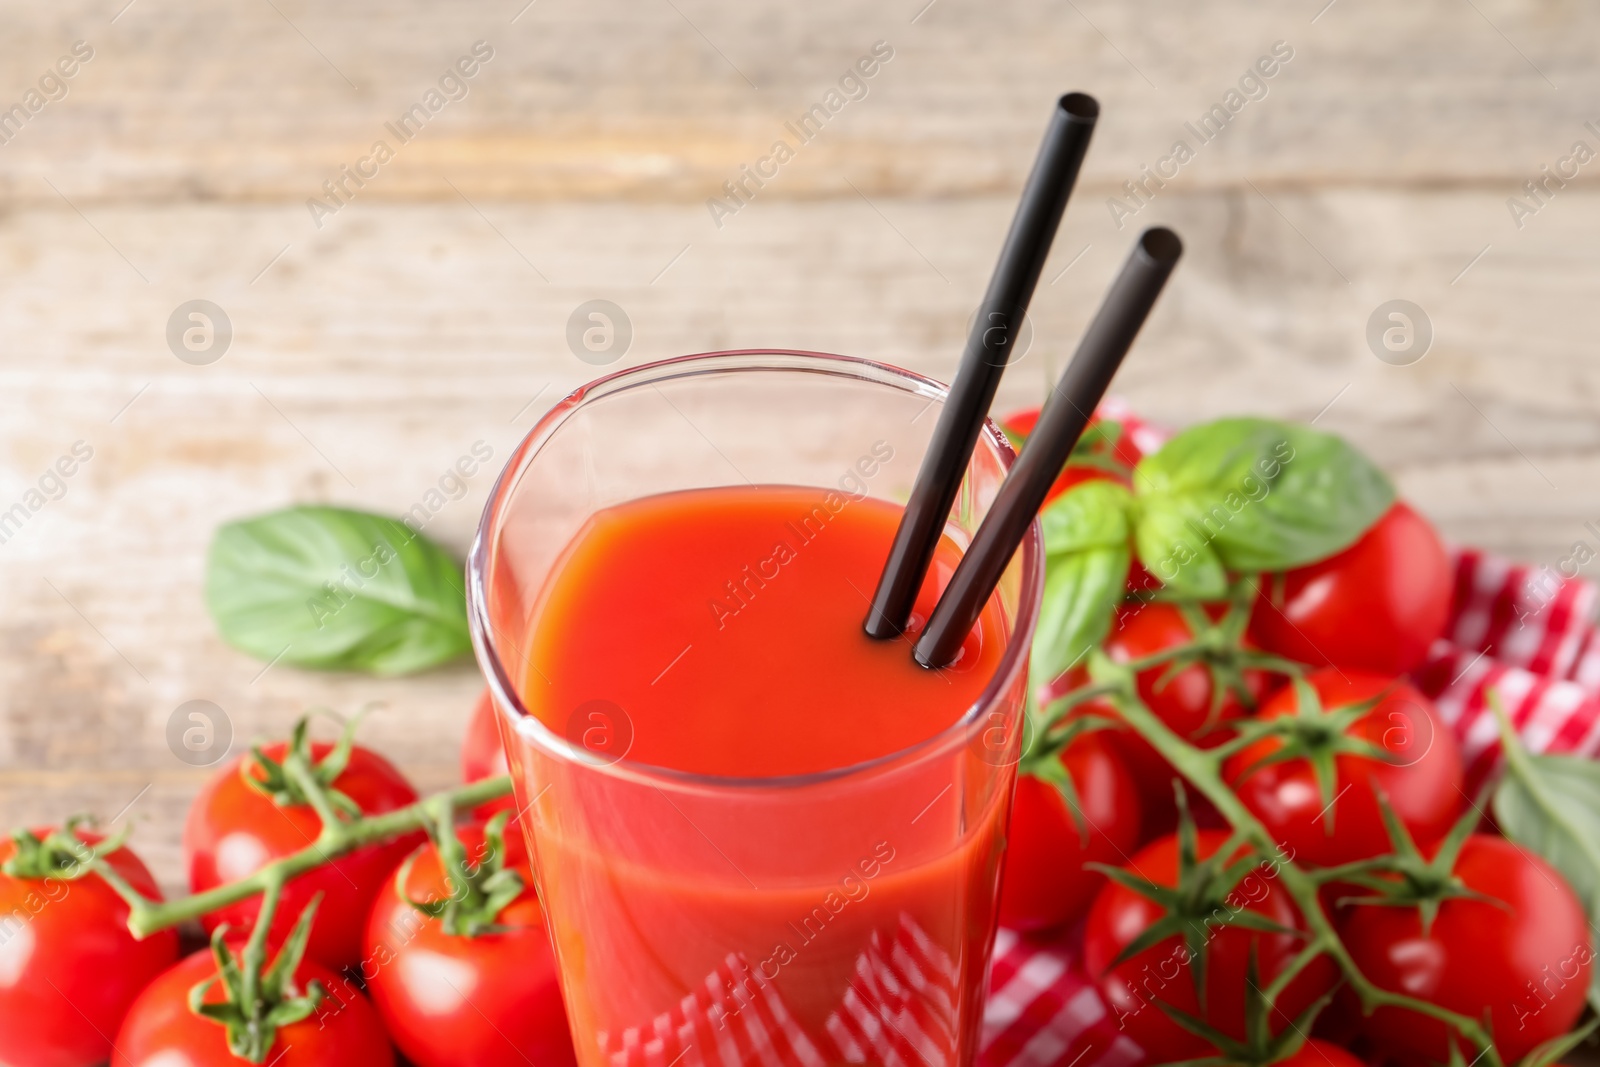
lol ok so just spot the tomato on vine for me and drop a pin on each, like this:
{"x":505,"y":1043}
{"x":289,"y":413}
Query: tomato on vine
{"x":1200,"y":685}
{"x":1186,"y":915}
{"x":458,"y":958}
{"x":1329,"y":747}
{"x":1377,"y":606}
{"x":1074,"y":805}
{"x":69,"y":968}
{"x":255,"y":811}
{"x":226,"y":1005}
{"x":1481,"y":927}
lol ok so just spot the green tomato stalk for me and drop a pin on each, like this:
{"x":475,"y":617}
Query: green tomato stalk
{"x":258,"y":999}
{"x":479,"y":890}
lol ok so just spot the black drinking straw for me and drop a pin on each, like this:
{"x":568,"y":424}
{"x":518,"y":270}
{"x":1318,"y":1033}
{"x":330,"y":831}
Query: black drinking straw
{"x":1061,"y":423}
{"x":1033,"y":228}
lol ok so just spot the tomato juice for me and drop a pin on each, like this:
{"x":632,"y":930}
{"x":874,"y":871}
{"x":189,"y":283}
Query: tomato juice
{"x":701,"y":640}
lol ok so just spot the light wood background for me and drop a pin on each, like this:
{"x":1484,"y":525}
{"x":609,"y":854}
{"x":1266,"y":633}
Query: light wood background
{"x":430,"y":312}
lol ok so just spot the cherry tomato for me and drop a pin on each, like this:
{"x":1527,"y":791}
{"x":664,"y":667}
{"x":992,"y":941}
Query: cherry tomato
{"x":1520,"y":960}
{"x":1140,"y":580}
{"x":234,"y":829}
{"x":161,"y":1030}
{"x":1045,"y":883}
{"x":452,"y":1000}
{"x":1182,"y":701}
{"x":1163,"y":971}
{"x":69,"y":968}
{"x":483,"y":756}
{"x":1377,"y":606}
{"x":1422,"y":785}
{"x":1019,"y":425}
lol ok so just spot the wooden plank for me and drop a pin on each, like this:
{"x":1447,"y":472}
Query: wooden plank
{"x":616,"y":99}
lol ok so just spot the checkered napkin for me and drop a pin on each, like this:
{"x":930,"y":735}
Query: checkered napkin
{"x":1526,"y":633}
{"x":900,"y":1010}
{"x":1043,"y":1009}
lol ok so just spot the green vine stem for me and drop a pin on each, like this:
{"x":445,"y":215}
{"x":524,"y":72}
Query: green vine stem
{"x":339,"y":836}
{"x":254,"y":957}
{"x":1202,"y":768}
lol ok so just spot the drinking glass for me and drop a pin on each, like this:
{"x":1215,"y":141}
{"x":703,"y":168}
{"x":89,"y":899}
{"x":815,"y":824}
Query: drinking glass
{"x":846,"y":916}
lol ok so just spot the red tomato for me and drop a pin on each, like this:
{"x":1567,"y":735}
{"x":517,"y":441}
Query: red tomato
{"x":449,"y":999}
{"x":1523,"y":964}
{"x":1317,"y":1053}
{"x":1423,"y":786}
{"x":1377,"y":606}
{"x":69,"y":968}
{"x":1162,"y":972}
{"x":1140,"y":580}
{"x":483,"y":756}
{"x":234,"y":829}
{"x":1045,"y":884}
{"x":1183,"y":702}
{"x":161,"y":1031}
{"x":1019,"y":425}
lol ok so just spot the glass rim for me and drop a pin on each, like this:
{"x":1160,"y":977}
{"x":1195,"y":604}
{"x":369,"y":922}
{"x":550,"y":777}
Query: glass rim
{"x":531,"y":728}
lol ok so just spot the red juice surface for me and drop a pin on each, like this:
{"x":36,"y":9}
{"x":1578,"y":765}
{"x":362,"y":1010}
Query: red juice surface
{"x":726,"y":626}
{"x":718,"y":632}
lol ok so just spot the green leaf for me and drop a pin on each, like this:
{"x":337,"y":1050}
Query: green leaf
{"x":1262,"y":495}
{"x":1551,"y":805}
{"x":1092,"y":514}
{"x":335,"y":589}
{"x":1081,"y":590}
{"x":1172,"y":551}
{"x":1086,"y":568}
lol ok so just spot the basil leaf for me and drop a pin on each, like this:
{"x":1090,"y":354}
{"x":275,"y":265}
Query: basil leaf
{"x":1092,"y":514}
{"x":1086,"y":569}
{"x":1551,"y":805}
{"x":332,"y":588}
{"x":1081,"y":590}
{"x":1264,"y":495}
{"x":1170,"y":549}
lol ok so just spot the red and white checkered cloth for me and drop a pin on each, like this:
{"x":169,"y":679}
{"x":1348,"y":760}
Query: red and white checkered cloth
{"x":900,"y":1010}
{"x":1044,"y":1010}
{"x":1527,"y":633}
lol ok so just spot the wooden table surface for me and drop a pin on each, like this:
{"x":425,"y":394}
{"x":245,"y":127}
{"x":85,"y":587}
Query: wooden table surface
{"x":374,"y":345}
